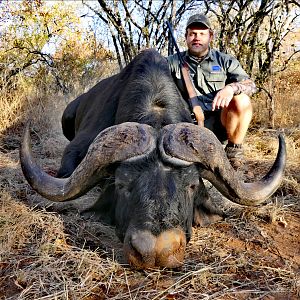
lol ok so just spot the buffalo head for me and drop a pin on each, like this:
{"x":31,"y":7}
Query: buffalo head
{"x":158,"y":188}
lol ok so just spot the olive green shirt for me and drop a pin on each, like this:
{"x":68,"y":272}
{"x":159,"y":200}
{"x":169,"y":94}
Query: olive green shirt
{"x":210,"y":75}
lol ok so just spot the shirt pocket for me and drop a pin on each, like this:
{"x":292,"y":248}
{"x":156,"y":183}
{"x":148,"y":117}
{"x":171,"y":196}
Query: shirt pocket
{"x":215,"y":81}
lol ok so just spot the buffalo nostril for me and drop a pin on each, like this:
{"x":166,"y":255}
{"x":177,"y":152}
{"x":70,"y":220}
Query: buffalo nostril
{"x":170,"y":248}
{"x":139,"y":248}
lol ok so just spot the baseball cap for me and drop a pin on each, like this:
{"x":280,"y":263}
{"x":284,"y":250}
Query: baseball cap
{"x":198,"y":18}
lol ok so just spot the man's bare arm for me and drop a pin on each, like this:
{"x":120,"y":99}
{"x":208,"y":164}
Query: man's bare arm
{"x":247,"y":87}
{"x":225,"y":95}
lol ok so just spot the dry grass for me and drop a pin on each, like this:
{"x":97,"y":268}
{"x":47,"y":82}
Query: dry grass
{"x":284,"y":87}
{"x":50,"y":255}
{"x":262,"y":147}
{"x":235,"y":259}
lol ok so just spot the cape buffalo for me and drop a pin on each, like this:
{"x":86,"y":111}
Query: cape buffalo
{"x":133,"y":134}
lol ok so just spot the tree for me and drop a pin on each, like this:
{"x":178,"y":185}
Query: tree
{"x":253,"y":31}
{"x":40,"y":37}
{"x":139,"y":24}
{"x":32,"y":26}
{"x":80,"y":60}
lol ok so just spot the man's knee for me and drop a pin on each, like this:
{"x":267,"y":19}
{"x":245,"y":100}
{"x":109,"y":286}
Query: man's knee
{"x":240,"y":104}
{"x":240,"y":108}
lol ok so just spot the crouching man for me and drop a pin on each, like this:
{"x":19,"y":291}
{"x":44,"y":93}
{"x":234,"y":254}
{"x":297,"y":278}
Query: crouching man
{"x":223,"y":88}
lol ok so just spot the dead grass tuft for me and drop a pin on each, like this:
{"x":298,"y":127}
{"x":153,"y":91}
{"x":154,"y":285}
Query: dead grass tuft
{"x":21,"y":226}
{"x":38,"y":261}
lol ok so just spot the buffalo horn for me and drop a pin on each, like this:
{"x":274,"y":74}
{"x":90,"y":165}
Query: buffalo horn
{"x":191,"y":143}
{"x":117,"y":143}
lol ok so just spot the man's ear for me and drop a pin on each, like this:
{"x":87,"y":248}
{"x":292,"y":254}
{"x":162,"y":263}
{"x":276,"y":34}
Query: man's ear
{"x":211,"y":34}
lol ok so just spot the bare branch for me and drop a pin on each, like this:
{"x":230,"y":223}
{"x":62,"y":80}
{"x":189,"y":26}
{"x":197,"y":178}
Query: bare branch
{"x":286,"y":62}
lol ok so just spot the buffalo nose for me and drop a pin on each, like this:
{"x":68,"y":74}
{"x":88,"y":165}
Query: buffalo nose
{"x":170,"y":248}
{"x":144,"y":250}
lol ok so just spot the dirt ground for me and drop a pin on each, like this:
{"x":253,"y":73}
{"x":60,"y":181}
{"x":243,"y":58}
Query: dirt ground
{"x":50,"y":252}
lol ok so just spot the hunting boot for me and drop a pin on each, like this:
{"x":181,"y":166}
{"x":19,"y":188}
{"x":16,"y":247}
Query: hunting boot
{"x":235,"y":154}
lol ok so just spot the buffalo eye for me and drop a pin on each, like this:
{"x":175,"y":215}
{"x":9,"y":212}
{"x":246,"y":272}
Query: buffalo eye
{"x":120,"y":186}
{"x":122,"y":189}
{"x":193,"y":186}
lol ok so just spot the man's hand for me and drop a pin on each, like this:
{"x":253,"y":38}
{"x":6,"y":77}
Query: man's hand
{"x":223,"y":97}
{"x":197,"y":110}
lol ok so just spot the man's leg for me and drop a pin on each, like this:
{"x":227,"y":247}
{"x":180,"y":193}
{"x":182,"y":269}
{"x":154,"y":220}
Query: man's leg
{"x":236,"y":119}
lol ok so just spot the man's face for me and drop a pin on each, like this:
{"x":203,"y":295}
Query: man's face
{"x":198,"y":39}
